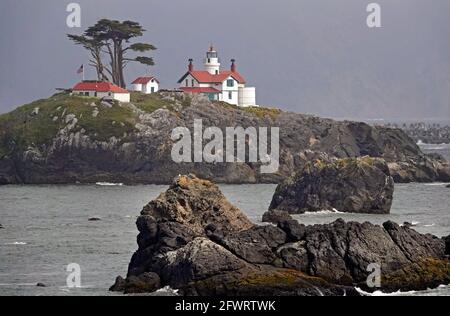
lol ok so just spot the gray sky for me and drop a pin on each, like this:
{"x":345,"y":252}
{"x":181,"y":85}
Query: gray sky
{"x":310,"y":56}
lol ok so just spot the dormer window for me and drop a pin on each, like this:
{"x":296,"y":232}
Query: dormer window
{"x":230,"y":83}
{"x":217,"y":72}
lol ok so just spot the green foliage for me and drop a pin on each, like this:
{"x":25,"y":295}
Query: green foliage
{"x":150,"y":102}
{"x":114,"y":37}
{"x":262,"y":112}
{"x":26,"y":127}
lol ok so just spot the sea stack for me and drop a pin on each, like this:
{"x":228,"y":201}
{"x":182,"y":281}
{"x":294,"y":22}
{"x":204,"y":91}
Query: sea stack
{"x":354,"y":185}
{"x":192,"y":239}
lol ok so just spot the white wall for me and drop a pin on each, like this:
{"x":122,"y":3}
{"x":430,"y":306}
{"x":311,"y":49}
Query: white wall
{"x":247,"y":96}
{"x":148,"y":87}
{"x":136,"y":87}
{"x":189,"y":85}
{"x":122,"y":97}
{"x":233,"y":90}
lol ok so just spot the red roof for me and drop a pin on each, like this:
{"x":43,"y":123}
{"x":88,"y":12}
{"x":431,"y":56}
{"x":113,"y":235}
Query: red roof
{"x":206,"y":77}
{"x":199,"y":90}
{"x":144,"y":80}
{"x":98,"y":87}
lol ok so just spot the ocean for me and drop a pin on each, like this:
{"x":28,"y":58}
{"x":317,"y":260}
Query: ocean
{"x":47,"y":227}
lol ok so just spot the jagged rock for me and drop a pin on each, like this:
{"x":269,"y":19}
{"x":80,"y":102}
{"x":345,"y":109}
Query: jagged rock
{"x":413,"y":244}
{"x":192,"y":239}
{"x":294,"y":230}
{"x":448,"y":186}
{"x":255,"y":245}
{"x":41,"y":285}
{"x":1,"y":226}
{"x":198,"y":260}
{"x":275,"y":216}
{"x":196,"y":203}
{"x":94,"y":219}
{"x":144,"y":283}
{"x":357,"y":185}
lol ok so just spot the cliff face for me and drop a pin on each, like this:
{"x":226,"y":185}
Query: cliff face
{"x":67,"y":139}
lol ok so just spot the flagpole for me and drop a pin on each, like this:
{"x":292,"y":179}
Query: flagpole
{"x":83,"y":73}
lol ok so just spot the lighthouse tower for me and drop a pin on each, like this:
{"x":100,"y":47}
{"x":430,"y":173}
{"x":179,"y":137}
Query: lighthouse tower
{"x":212,"y":63}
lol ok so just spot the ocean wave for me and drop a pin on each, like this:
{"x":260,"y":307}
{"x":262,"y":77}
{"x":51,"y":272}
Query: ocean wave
{"x":433,"y":146}
{"x":324,"y":212}
{"x":430,"y":225}
{"x":380,"y":293}
{"x":108,"y":184}
{"x":168,"y":289}
{"x":434,"y":291}
{"x":437,"y":184}
{"x":17,"y":243}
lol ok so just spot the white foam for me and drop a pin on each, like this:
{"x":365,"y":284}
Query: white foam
{"x":437,"y":184}
{"x":430,"y":225}
{"x":380,"y":293}
{"x":17,"y":243}
{"x":400,"y":293}
{"x":324,"y":212}
{"x":108,"y":184}
{"x":168,"y":289}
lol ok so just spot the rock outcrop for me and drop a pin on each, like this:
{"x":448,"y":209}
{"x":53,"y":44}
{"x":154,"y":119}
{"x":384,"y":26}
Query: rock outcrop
{"x":131,"y":142}
{"x":354,"y":185}
{"x":192,"y":239}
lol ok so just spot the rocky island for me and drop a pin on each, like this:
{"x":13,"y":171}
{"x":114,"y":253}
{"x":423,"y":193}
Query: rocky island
{"x":69,"y":139}
{"x":354,"y":185}
{"x":192,"y":239}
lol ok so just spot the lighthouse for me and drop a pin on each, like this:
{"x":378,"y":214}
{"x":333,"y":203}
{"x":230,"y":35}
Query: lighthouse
{"x":212,"y":62}
{"x":226,"y":85}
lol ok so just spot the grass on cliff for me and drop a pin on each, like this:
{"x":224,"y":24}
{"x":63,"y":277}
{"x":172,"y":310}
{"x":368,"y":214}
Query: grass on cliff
{"x":152,"y":102}
{"x":260,"y":112}
{"x":37,"y":123}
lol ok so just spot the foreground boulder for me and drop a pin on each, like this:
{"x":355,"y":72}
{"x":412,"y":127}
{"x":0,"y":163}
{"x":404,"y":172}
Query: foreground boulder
{"x":357,"y":185}
{"x":192,"y":239}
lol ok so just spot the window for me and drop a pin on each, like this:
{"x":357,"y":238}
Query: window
{"x":230,"y":83}
{"x":230,"y":95}
{"x":209,"y":60}
{"x":153,"y":89}
{"x":217,"y":72}
{"x":86,"y":94}
{"x":95,"y":94}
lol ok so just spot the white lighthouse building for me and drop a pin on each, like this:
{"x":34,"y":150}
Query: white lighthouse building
{"x":219,"y":85}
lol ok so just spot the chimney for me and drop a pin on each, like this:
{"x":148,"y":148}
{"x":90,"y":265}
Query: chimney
{"x":233,"y":65}
{"x":191,"y":65}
